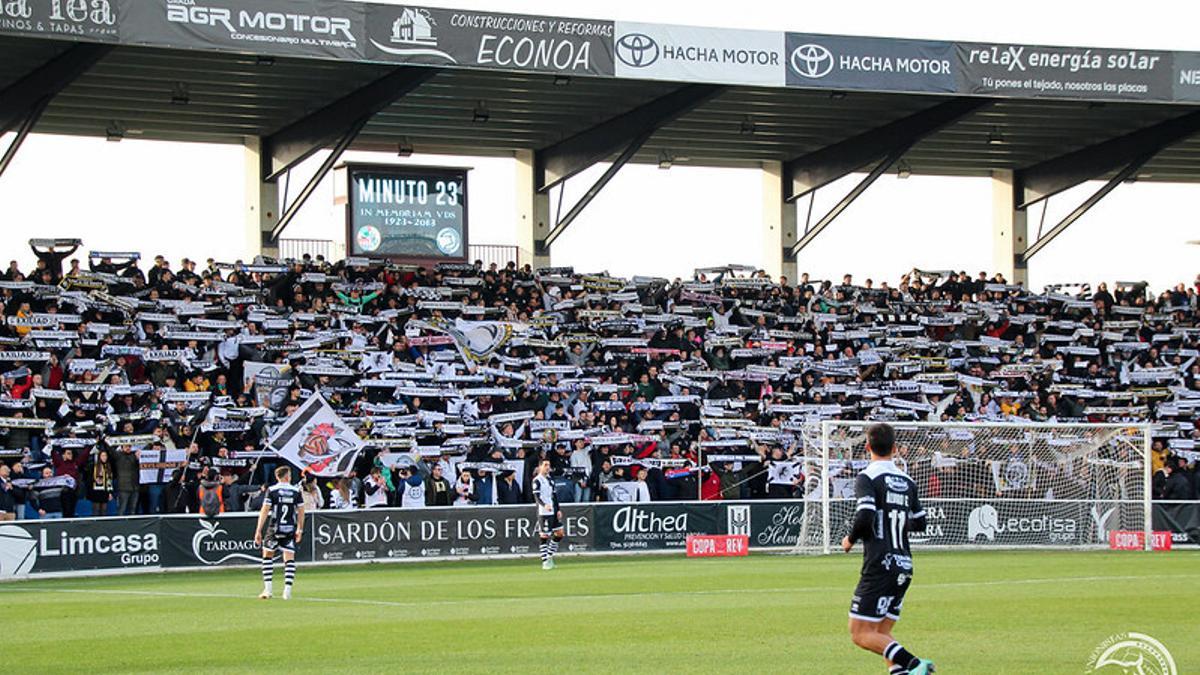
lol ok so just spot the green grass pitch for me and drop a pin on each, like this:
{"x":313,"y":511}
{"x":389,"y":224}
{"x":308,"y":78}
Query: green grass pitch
{"x":972,"y":612}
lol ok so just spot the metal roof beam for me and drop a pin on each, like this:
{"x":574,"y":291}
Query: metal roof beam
{"x":558,"y":162}
{"x":34,"y":90}
{"x":543,"y":247}
{"x":1064,"y":172}
{"x":822,"y":167}
{"x":309,"y":188}
{"x":811,"y":233}
{"x":23,"y":131}
{"x":291,"y":145}
{"x":1128,"y":172}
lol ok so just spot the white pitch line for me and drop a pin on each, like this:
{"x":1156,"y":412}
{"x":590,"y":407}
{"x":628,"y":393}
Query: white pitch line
{"x":593,"y":596}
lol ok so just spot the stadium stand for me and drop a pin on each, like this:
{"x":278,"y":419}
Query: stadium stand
{"x":127,"y":391}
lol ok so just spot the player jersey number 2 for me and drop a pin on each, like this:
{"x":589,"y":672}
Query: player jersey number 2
{"x":284,"y":522}
{"x":897,"y":520}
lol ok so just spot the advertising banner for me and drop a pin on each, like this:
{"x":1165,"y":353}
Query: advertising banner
{"x":92,"y":21}
{"x":1064,"y":72}
{"x":653,"y":526}
{"x":692,"y":54}
{"x":152,"y":543}
{"x":1012,"y":522}
{"x":47,"y":546}
{"x":352,"y":31}
{"x":1182,"y":520}
{"x":406,"y":212}
{"x":717,"y":545}
{"x":381,"y":534}
{"x":1187,"y":76}
{"x":878,"y":64}
{"x":451,"y":37}
{"x":308,"y":28}
{"x":193,"y":541}
{"x":767,"y":524}
{"x":1130,"y":540}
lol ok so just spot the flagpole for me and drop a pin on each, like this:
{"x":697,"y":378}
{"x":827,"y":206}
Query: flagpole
{"x":253,"y":470}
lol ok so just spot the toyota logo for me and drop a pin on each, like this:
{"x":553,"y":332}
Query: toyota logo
{"x":812,"y":61}
{"x":637,"y":50}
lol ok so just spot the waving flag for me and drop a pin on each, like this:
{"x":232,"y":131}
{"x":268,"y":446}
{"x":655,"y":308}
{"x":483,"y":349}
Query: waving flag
{"x":314,"y":438}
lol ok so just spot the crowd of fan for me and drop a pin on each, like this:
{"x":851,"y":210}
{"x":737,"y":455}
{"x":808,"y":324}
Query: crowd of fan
{"x":128,"y":390}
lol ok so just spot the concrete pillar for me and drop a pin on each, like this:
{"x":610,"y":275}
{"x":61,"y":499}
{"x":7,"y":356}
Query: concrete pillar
{"x":779,"y":224}
{"x":533,"y":212}
{"x":261,"y":208}
{"x":1010,"y":235}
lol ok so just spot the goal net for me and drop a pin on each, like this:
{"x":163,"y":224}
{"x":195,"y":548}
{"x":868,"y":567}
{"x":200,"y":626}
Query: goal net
{"x":989,"y":484}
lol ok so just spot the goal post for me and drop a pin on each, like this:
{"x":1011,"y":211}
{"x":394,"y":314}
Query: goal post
{"x":990,"y":484}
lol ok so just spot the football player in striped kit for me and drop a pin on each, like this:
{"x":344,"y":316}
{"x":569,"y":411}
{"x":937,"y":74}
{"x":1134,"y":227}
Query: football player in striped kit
{"x":284,"y":506}
{"x":550,"y":527}
{"x":887,"y":510}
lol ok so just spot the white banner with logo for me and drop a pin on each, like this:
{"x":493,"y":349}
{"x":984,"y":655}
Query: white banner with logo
{"x":694,"y":54}
{"x":271,"y":382}
{"x":621,"y":491}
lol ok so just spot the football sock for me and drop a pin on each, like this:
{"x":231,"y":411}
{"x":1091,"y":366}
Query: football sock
{"x":553,"y":547}
{"x":897,"y":669}
{"x":289,"y":573}
{"x":267,"y":571}
{"x":544,"y":548}
{"x":900,"y":656}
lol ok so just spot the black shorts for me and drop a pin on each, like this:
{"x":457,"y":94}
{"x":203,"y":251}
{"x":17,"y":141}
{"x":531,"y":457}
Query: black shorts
{"x":274,"y":541}
{"x":548,"y":524}
{"x":880,"y":595}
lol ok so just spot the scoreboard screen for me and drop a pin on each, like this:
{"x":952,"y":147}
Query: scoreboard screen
{"x":406,"y":212}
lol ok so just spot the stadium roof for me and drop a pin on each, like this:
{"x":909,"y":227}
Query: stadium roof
{"x":209,"y":84}
{"x":231,"y":96}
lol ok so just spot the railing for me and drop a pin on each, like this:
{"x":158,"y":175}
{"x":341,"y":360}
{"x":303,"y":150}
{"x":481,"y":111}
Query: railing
{"x":498,"y":254}
{"x":296,"y":248}
{"x":489,"y":254}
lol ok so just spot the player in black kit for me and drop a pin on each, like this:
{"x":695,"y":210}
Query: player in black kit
{"x":886,"y":510}
{"x":284,"y":504}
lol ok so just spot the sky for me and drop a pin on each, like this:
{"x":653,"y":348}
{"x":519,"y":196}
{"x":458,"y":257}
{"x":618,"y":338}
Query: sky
{"x":186,"y":200}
